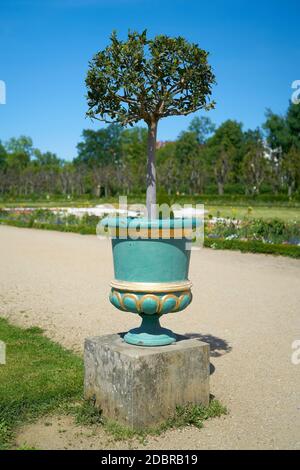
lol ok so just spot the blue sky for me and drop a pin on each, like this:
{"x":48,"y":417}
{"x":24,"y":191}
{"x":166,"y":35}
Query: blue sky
{"x":45,"y":46}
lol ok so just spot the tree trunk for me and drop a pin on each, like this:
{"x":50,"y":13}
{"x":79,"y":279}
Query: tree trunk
{"x":220,"y":188}
{"x":151,"y":173}
{"x":290,"y":190}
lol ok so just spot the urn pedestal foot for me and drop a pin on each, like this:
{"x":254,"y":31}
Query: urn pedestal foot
{"x":150,"y":333}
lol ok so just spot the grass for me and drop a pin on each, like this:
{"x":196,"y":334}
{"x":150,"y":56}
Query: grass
{"x":60,"y":202}
{"x":257,"y":212}
{"x":86,"y":414}
{"x":39,"y":376}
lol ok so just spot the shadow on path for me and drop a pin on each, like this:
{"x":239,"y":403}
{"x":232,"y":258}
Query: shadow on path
{"x":218,"y":346}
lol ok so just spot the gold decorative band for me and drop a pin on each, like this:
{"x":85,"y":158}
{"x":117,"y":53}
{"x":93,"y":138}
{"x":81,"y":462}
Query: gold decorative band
{"x":160,"y":301}
{"x":151,"y":286}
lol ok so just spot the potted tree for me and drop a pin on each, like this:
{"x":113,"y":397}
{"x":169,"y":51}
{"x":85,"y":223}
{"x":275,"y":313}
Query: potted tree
{"x":149,"y":79}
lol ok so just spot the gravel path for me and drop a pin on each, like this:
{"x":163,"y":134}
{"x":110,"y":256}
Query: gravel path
{"x":246,"y":306}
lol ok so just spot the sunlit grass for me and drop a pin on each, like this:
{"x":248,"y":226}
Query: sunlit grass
{"x":259,"y":212}
{"x":38,"y":376}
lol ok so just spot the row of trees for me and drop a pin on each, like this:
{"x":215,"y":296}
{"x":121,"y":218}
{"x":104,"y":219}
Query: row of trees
{"x":203,"y":158}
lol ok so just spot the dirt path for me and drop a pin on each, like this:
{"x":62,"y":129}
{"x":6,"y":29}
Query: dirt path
{"x":247,"y":306}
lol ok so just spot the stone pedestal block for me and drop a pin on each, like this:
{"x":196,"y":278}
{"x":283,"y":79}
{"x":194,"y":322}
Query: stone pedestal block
{"x":140,"y":387}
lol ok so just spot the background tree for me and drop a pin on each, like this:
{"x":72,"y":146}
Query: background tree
{"x":203,"y":128}
{"x":291,"y":169}
{"x":112,"y":160}
{"x":222,"y":165}
{"x":100,"y":147}
{"x":100,"y":151}
{"x":254,"y":165}
{"x":17,"y":161}
{"x":45,"y":159}
{"x":224,"y":152}
{"x":279,"y":142}
{"x":21,"y":145}
{"x":277,"y":133}
{"x":3,"y":155}
{"x":283,"y":133}
{"x":134,"y":151}
{"x":293,"y":125}
{"x":189,"y":162}
{"x":148,"y":79}
{"x":168,"y":169}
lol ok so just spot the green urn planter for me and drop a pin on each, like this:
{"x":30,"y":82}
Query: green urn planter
{"x":151,"y":264}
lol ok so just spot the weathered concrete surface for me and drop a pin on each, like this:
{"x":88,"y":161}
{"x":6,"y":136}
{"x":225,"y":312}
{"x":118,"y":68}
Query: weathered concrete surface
{"x":140,"y":387}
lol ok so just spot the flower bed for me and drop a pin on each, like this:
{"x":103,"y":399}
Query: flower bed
{"x":253,"y":235}
{"x":273,"y":231}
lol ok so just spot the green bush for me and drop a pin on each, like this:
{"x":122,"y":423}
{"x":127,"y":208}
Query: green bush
{"x":48,"y":220}
{"x":253,"y":247}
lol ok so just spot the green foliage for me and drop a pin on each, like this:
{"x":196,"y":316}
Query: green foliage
{"x":283,"y":136}
{"x":148,"y":79}
{"x":5,"y":435}
{"x":112,"y":161}
{"x":195,"y":415}
{"x":190,"y":160}
{"x":163,"y":198}
{"x":254,"y":165}
{"x":3,"y":155}
{"x":38,"y":376}
{"x":187,"y":147}
{"x":293,"y":125}
{"x":134,"y":158}
{"x":45,"y":160}
{"x":229,"y":136}
{"x":267,"y":231}
{"x":277,"y":131}
{"x":203,"y":127}
{"x":48,"y":220}
{"x":291,"y":168}
{"x":224,"y":152}
{"x":17,"y":161}
{"x":20,"y":145}
{"x":99,"y":148}
{"x":86,"y":413}
{"x":253,"y":247}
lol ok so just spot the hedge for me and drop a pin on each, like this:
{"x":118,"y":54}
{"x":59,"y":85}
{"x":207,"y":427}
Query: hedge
{"x":293,"y":251}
